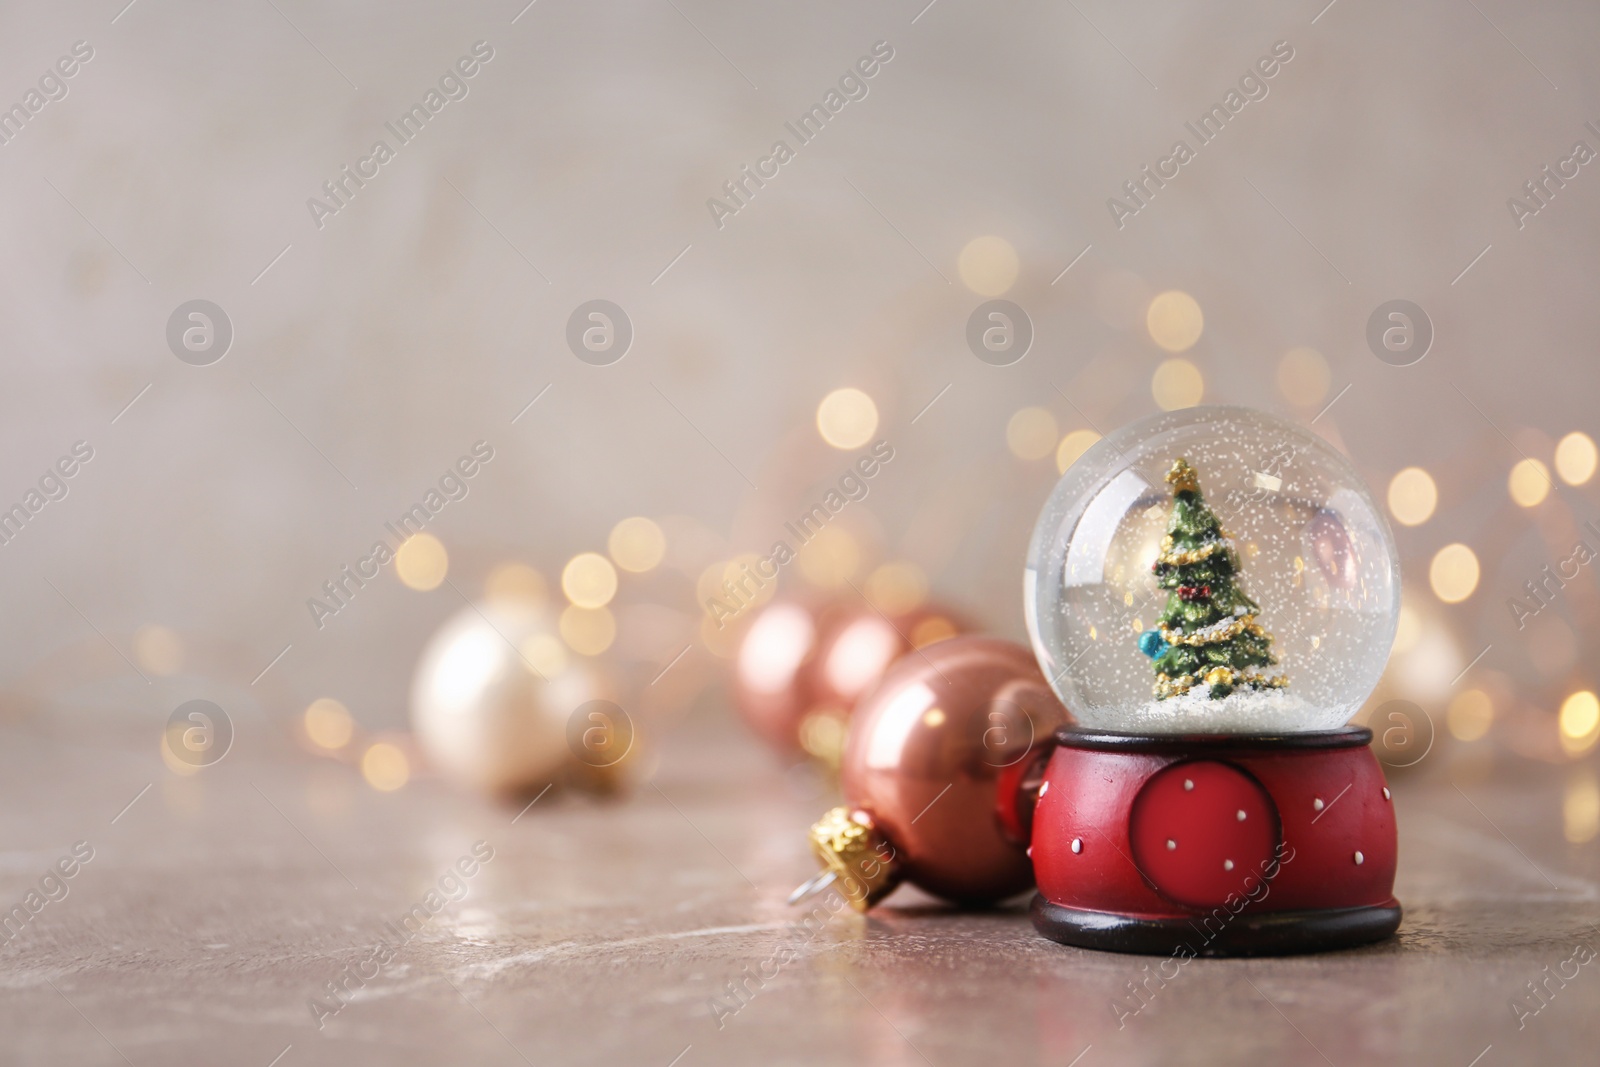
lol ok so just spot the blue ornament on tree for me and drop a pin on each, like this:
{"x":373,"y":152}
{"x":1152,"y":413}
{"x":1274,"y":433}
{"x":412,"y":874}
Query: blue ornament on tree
{"x":1152,"y":644}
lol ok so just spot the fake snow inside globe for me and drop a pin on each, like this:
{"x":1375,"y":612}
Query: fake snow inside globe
{"x":1212,"y":570}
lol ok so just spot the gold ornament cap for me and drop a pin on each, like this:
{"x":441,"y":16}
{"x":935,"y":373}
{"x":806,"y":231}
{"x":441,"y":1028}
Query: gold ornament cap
{"x":1183,"y":478}
{"x":857,"y":856}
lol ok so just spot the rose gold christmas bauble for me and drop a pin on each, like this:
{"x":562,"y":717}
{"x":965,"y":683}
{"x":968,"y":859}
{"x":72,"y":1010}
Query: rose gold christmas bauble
{"x":768,"y":670}
{"x":801,"y":667}
{"x":934,"y":758}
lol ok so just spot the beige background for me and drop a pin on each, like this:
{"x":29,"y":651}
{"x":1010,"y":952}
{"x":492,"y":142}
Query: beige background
{"x":410,"y":326}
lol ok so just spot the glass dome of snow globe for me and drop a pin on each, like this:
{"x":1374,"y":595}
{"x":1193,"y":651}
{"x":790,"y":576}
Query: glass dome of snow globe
{"x":1214,"y":570}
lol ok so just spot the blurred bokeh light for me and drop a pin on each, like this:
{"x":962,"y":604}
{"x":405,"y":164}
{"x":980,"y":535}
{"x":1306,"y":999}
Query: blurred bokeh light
{"x":1175,"y":320}
{"x":422,"y":562}
{"x":847,"y":418}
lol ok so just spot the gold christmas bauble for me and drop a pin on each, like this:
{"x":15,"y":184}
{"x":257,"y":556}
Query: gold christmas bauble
{"x":494,"y":695}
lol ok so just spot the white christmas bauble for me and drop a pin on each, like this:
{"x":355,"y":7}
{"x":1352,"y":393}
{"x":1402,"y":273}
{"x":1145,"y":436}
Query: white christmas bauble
{"x":493,"y":695}
{"x":1310,"y":547}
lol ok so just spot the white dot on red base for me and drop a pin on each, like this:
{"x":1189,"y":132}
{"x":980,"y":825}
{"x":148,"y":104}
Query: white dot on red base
{"x":1188,"y":783}
{"x":1077,"y":845}
{"x":1360,"y":859}
{"x":1227,"y":865}
{"x":1171,"y":844}
{"x":1043,"y":789}
{"x":1386,"y":792}
{"x":1316,"y":805}
{"x":1240,"y":815}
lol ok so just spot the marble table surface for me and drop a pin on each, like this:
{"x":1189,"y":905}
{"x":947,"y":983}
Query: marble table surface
{"x":215,"y":909}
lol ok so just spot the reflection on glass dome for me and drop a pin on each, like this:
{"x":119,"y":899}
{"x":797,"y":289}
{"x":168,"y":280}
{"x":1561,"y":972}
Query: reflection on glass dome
{"x":1212,"y":570}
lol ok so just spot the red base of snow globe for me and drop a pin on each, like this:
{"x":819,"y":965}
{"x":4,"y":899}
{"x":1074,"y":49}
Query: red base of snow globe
{"x":1215,"y":845}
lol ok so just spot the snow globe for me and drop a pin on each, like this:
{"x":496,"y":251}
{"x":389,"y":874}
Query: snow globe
{"x":1213,"y":592}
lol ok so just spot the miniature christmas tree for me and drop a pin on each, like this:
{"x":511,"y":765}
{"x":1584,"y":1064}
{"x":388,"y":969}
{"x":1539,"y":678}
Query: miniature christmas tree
{"x":1208,"y":634}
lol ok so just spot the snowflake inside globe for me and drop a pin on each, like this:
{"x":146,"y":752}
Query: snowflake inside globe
{"x":1212,"y":570}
